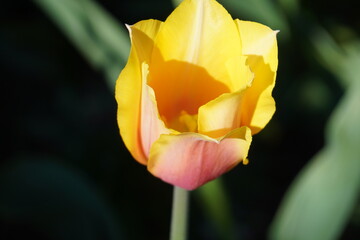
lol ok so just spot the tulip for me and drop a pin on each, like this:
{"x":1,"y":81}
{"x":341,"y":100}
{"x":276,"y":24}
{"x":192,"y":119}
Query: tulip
{"x":195,"y":89}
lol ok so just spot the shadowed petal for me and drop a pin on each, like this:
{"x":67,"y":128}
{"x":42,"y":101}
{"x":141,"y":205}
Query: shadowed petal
{"x":200,"y":32}
{"x":223,"y":114}
{"x":143,"y":35}
{"x":151,"y":124}
{"x":128,"y":91}
{"x":189,"y":160}
{"x":220,"y":116}
{"x":192,"y":47}
{"x":260,"y":45}
{"x":259,"y":40}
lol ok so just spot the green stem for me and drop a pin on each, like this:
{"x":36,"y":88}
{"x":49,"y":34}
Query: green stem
{"x":179,"y":214}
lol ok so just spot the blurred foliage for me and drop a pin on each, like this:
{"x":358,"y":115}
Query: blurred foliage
{"x":99,"y":37}
{"x":65,"y":173}
{"x":324,"y":194}
{"x":216,"y":207}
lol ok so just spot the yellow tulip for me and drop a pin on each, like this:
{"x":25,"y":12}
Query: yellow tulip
{"x":194,"y":90}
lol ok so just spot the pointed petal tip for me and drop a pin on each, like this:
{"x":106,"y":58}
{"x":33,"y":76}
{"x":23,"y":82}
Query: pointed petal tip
{"x":128,"y":27}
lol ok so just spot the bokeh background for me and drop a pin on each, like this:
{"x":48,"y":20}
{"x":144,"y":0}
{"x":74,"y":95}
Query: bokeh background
{"x":65,"y":173}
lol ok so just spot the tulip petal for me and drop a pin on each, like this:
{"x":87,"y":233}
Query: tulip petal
{"x":128,"y":91}
{"x":200,"y":32}
{"x":189,"y":160}
{"x":220,"y":116}
{"x":143,"y":35}
{"x":193,"y":44}
{"x":260,"y":45}
{"x":151,"y":125}
{"x":259,"y":40}
{"x":223,"y":114}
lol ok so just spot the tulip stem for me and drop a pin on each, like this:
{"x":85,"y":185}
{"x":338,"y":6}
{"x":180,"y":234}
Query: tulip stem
{"x":179,"y":214}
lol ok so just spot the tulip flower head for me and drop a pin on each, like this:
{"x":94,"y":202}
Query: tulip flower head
{"x":195,"y":89}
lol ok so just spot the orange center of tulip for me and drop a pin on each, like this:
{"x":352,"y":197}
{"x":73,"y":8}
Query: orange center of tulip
{"x":180,"y":89}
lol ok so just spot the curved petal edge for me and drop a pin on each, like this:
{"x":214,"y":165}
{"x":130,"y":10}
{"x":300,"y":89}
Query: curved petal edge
{"x":189,"y":160}
{"x":260,"y":46}
{"x":132,"y":91}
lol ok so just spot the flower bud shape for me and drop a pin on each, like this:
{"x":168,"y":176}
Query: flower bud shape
{"x":195,"y":89}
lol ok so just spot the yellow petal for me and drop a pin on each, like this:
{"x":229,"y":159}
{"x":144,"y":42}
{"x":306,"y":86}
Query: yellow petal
{"x":258,"y":105}
{"x":191,"y":50}
{"x":259,"y":40}
{"x":240,"y":74}
{"x":189,"y":160}
{"x":223,"y":114}
{"x":142,"y":35}
{"x":128,"y":89}
{"x":151,"y":125}
{"x":200,"y":32}
{"x":182,"y":88}
{"x":220,"y":116}
{"x":260,"y":45}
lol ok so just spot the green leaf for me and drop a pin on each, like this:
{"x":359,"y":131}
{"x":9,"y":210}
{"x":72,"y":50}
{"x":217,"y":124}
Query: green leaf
{"x":327,"y":51}
{"x":292,"y":7}
{"x":341,"y":60}
{"x":217,"y":208}
{"x":321,"y":199}
{"x":100,"y":38}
